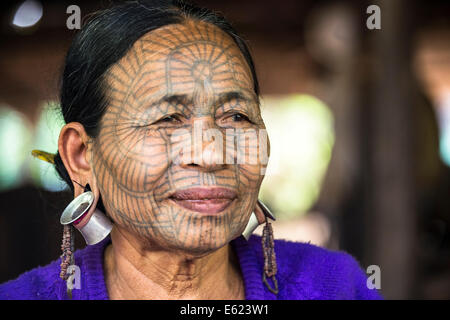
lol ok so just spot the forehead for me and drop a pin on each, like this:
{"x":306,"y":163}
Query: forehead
{"x":181,"y":59}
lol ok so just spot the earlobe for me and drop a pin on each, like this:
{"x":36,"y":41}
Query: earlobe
{"x":259,"y":213}
{"x":258,"y":216}
{"x":80,"y":223}
{"x":262,"y":212}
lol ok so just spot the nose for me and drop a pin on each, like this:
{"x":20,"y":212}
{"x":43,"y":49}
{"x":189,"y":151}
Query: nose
{"x":207,"y":146}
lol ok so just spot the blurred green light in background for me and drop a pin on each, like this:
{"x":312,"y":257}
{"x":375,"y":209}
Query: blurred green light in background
{"x":443,"y":112}
{"x":301,"y":134}
{"x":15,"y":137}
{"x":444,"y":145}
{"x":46,"y":138}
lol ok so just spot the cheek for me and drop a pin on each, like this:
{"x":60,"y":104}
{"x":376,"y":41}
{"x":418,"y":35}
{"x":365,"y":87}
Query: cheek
{"x":250,"y":178}
{"x":252,"y":158}
{"x":133,"y":161}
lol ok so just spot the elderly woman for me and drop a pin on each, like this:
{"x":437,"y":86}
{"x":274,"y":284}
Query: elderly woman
{"x":167,"y":214}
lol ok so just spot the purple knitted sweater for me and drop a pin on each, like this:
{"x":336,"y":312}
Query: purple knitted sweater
{"x":305,"y":271}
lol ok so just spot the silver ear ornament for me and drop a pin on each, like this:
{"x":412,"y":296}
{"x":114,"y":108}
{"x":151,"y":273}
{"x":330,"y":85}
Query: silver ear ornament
{"x":97,"y":228}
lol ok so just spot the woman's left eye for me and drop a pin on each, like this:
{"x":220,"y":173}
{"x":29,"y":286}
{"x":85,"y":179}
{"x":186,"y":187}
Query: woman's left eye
{"x":239,"y":117}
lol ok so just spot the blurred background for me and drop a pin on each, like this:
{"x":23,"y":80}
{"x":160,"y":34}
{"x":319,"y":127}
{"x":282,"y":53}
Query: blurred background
{"x":359,"y":122}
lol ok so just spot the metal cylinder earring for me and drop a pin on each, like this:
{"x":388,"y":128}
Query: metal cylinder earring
{"x":96,"y":228}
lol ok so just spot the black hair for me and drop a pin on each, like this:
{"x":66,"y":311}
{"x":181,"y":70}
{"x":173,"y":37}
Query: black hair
{"x":104,"y":40}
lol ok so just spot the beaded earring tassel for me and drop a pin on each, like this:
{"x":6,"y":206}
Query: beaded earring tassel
{"x":270,"y":263}
{"x":67,"y":258}
{"x":68,"y":243}
{"x":68,"y":248}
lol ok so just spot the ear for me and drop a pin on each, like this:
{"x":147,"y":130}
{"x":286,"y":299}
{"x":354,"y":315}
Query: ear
{"x":73,"y":148}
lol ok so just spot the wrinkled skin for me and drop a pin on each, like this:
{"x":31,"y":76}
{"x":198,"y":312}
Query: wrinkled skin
{"x":171,"y":78}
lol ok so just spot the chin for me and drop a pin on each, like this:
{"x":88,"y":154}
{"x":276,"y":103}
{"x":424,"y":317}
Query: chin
{"x":201,"y":245}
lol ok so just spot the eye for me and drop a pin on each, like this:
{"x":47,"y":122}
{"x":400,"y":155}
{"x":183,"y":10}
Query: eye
{"x":239,"y":117}
{"x":169,"y":119}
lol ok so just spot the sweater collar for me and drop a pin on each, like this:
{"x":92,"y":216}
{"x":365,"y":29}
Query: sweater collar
{"x":251,"y":267}
{"x":94,"y":285}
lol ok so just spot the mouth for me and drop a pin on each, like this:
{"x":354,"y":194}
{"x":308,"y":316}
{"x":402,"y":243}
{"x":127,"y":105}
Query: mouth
{"x":204,"y":200}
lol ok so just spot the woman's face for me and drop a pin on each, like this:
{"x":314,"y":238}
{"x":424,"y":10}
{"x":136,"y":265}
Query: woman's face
{"x":182,"y":92}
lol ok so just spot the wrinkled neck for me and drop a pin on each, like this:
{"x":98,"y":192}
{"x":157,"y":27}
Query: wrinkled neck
{"x":134,"y":271}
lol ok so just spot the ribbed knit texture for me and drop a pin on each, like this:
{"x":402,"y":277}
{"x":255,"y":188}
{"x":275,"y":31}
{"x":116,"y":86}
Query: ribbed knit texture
{"x":305,"y":271}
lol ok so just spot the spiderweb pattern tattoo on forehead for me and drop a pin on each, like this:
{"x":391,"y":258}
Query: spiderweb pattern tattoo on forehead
{"x":195,"y":72}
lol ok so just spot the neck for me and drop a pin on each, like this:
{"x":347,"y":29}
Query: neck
{"x":135,"y":271}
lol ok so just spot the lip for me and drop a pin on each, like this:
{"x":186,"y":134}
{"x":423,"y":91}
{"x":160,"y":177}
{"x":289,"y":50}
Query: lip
{"x":204,"y":200}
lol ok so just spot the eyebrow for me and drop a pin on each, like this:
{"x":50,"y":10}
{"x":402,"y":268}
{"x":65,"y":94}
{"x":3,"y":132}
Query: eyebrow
{"x":221,"y":99}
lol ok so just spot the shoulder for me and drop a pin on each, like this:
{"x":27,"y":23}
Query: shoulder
{"x":322,"y":273}
{"x":305,"y":256}
{"x":44,"y":283}
{"x":40,"y":283}
{"x":309,"y":271}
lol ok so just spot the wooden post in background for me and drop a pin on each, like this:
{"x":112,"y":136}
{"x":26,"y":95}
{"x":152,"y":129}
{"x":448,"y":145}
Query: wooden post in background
{"x":392,"y":214}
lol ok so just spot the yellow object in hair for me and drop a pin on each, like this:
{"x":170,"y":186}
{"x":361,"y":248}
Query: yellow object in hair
{"x":45,"y":156}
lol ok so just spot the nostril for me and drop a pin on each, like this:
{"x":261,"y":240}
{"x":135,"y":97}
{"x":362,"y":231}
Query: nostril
{"x":202,"y":166}
{"x":194,"y":165}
